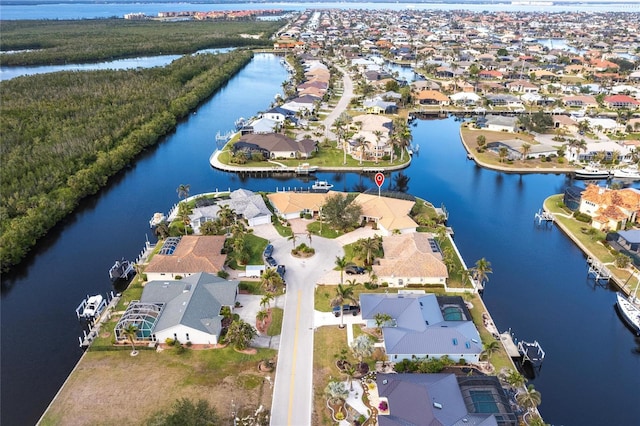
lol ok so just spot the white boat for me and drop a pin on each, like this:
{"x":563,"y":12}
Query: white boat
{"x":630,"y":312}
{"x":592,"y":172}
{"x":305,"y":169}
{"x":157,"y":219}
{"x":91,"y":307}
{"x":321,"y":185}
{"x":630,"y":173}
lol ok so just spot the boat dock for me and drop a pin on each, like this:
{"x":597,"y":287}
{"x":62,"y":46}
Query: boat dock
{"x":94,"y":325}
{"x":509,"y":345}
{"x":531,"y":352}
{"x":598,"y":270}
{"x":544,"y":217}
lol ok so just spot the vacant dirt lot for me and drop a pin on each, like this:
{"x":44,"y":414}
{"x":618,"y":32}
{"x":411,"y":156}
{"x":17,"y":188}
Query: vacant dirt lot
{"x":113,"y":388}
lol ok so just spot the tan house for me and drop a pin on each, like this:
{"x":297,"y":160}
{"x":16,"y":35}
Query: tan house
{"x":432,"y":97}
{"x":389,"y":214}
{"x":185,"y":256}
{"x":412,"y":258}
{"x":290,"y":204}
{"x":610,"y":209}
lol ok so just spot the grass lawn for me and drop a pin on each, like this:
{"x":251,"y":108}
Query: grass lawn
{"x":275,"y":328}
{"x":327,"y":343}
{"x":323,"y":230}
{"x":112,"y":388}
{"x":470,"y":137}
{"x":255,"y":246}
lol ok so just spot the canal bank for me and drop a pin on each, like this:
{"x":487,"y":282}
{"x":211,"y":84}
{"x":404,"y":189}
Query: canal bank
{"x":538,"y":287}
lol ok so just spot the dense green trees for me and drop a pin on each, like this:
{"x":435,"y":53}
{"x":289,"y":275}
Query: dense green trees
{"x":64,"y":134}
{"x":77,"y":41}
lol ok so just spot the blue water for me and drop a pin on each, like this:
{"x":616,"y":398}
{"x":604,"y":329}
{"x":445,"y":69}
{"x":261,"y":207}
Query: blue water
{"x":538,"y":287}
{"x":45,"y":10}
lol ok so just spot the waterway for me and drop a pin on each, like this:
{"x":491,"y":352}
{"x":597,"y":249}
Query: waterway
{"x":75,"y":10}
{"x":539,"y":286}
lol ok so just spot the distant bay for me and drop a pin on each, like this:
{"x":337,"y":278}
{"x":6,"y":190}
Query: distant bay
{"x":74,"y":10}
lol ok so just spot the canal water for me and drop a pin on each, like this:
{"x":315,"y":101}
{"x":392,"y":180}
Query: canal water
{"x":538,"y":288}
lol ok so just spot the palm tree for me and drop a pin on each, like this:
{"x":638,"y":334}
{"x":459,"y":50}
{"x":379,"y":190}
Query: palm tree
{"x":240,"y":334}
{"x":270,"y":279}
{"x":515,"y":379}
{"x":381,"y":319}
{"x":183,"y":213}
{"x":480,"y":271}
{"x":226,"y":215}
{"x":360,"y":143}
{"x":267,"y":299}
{"x":261,"y":316}
{"x":530,"y":398}
{"x":131,"y":333}
{"x":378,"y":135}
{"x":368,"y":246}
{"x":341,"y":262}
{"x":309,"y":235}
{"x":162,"y":230}
{"x":525,"y":149}
{"x":293,"y":239}
{"x":183,"y":190}
{"x":350,"y":372}
{"x":490,"y":349}
{"x":404,"y":136}
{"x":362,"y":347}
{"x":342,"y":293}
{"x":502,"y":153}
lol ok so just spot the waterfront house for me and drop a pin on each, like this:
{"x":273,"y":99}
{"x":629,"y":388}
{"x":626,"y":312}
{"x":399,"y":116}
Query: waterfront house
{"x":186,"y":310}
{"x":278,"y":114}
{"x":290,"y":204}
{"x":432,"y":97}
{"x":515,"y":149}
{"x":500,"y":123}
{"x":426,"y":265}
{"x":442,"y":399}
{"x":187,"y":255}
{"x":423,"y":325}
{"x":610,"y":209}
{"x":389,"y":214}
{"x":621,"y":101}
{"x":276,"y":145}
{"x":246,"y":205}
{"x":629,"y":240}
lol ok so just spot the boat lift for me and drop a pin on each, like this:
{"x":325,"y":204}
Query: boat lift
{"x":544,"y":216}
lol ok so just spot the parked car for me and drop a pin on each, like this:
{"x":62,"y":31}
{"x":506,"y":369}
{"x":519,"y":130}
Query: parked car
{"x":346,"y":309}
{"x":281,"y":270}
{"x":271,"y":262}
{"x":354,"y":269}
{"x":268,"y":251}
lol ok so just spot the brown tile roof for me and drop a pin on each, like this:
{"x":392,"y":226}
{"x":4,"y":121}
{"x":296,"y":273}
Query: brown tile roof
{"x":194,"y":253}
{"x":410,"y":255}
{"x":391,"y":213}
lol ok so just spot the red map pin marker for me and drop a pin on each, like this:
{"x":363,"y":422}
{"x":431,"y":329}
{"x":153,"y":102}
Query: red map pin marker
{"x":379,"y":178}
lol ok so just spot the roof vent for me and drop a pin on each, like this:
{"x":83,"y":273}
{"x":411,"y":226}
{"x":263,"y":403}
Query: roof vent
{"x":384,"y":382}
{"x":187,"y":288}
{"x":437,"y":405}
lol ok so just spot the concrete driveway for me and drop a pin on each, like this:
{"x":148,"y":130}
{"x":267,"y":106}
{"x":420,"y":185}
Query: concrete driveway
{"x":292,"y":394}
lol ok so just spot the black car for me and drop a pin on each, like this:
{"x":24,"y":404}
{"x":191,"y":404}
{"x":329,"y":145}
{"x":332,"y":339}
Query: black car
{"x":354,"y":269}
{"x":346,"y":309}
{"x":271,"y":261}
{"x":268,"y":251}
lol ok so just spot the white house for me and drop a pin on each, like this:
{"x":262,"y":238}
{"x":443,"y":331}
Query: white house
{"x":187,"y":310}
{"x":423,"y":325}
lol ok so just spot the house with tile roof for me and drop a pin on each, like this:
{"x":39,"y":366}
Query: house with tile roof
{"x":432,"y":97}
{"x":610,"y":209}
{"x":621,"y":101}
{"x":423,"y":325}
{"x":186,"y":310}
{"x":290,"y":204}
{"x":426,"y":265}
{"x":443,"y":399}
{"x":275,"y":145}
{"x":246,"y":205}
{"x":187,"y":255}
{"x":389,"y":214}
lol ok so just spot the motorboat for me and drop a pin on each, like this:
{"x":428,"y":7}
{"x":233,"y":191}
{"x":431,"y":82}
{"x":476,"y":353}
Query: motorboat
{"x":306,"y":169}
{"x":321,"y":185}
{"x":630,"y":173}
{"x":157,"y":219}
{"x":91,"y":307}
{"x":592,"y":171}
{"x":630,"y":311}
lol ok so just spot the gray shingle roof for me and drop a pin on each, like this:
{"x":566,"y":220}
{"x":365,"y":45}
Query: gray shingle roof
{"x":194,"y":301}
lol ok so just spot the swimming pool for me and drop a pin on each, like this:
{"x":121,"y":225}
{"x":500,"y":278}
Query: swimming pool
{"x":452,"y":313}
{"x":483,"y":401}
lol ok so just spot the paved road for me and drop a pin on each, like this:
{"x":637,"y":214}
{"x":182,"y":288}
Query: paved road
{"x":292,"y":393}
{"x":343,"y":103}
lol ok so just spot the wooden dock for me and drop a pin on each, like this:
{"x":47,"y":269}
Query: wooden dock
{"x":96,"y":323}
